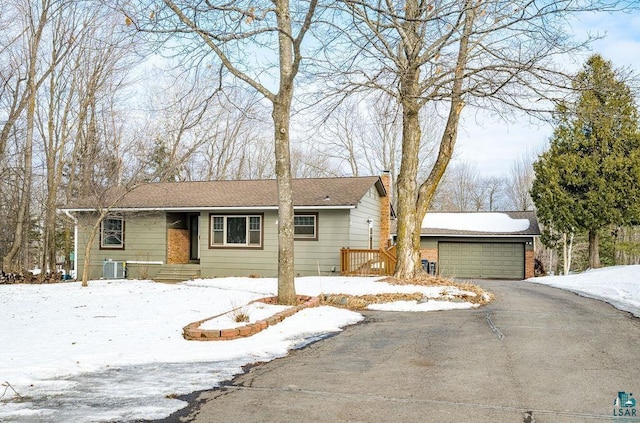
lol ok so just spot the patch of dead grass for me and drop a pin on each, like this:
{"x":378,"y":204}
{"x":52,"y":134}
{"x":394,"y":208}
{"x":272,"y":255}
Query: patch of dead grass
{"x":482,"y":297}
{"x":360,"y":302}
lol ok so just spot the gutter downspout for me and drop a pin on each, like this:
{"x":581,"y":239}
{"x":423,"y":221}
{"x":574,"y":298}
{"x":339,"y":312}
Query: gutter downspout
{"x":75,"y":241}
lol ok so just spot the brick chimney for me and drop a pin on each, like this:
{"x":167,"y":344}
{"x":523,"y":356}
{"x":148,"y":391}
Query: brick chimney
{"x":385,"y":211}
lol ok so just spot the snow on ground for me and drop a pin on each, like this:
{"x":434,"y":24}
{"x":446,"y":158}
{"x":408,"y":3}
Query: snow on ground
{"x":114,"y":351}
{"x":619,"y":286}
{"x":478,"y":222}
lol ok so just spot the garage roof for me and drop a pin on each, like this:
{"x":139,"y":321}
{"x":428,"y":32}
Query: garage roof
{"x":508,"y":223}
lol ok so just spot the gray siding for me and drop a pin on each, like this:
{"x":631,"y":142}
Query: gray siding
{"x":430,"y":243}
{"x":368,"y":208}
{"x":323,"y":256}
{"x":337,"y":229}
{"x":240,"y":261}
{"x":145,"y":239}
{"x":311,"y":256}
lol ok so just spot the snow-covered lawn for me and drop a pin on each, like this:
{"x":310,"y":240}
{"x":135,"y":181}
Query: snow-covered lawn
{"x":114,"y":351}
{"x":619,"y":286}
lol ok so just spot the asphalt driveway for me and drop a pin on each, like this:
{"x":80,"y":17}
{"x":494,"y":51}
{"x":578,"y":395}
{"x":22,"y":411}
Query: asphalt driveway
{"x":537,"y":354}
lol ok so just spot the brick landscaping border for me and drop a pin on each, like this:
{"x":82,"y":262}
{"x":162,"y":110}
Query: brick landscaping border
{"x":192,"y":331}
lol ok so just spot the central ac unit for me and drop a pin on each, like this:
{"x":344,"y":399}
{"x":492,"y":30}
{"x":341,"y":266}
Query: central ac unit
{"x":113,"y":269}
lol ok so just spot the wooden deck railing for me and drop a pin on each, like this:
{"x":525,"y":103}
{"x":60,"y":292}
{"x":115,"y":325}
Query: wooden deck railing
{"x":363,"y":262}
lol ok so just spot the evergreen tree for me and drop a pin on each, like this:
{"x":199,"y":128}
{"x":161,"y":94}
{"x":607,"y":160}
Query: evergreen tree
{"x":590,"y":177}
{"x":160,"y":165}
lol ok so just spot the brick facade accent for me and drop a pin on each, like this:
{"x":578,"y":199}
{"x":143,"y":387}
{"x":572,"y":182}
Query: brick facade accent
{"x":430,"y":254}
{"x":178,"y":246}
{"x":529,"y":263}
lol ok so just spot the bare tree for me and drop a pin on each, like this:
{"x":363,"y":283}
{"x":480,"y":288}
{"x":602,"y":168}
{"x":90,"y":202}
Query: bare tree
{"x":519,"y":182}
{"x":103,"y":198}
{"x":493,"y":191}
{"x":462,"y":182}
{"x":36,"y":18}
{"x":233,"y":132}
{"x":78,"y":81}
{"x":257,"y":163}
{"x":186,"y":135}
{"x":111,"y":178}
{"x":451,"y":53}
{"x":54,"y":127}
{"x":309,"y":163}
{"x":344,"y":136}
{"x":367,"y":136}
{"x":229,"y":30}
{"x":178,"y":111}
{"x":463,"y":188}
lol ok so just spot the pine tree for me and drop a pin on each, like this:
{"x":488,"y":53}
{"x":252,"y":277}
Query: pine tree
{"x":590,"y":177}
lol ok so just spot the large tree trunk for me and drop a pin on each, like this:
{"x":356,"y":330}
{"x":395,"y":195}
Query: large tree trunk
{"x":408,"y":264}
{"x":594,"y":249}
{"x":408,"y":244}
{"x":414,"y":202}
{"x":289,"y":58}
{"x":286,"y":275}
{"x":281,"y":121}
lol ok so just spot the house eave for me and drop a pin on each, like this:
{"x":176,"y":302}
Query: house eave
{"x":479,"y":235}
{"x":194,"y":208}
{"x":475,"y":235}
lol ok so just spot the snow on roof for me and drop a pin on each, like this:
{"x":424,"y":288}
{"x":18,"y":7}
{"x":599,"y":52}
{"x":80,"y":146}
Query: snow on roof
{"x":475,"y":222}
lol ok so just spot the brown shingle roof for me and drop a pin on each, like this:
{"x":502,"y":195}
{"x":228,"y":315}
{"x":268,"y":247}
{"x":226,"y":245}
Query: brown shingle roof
{"x":319,"y":192}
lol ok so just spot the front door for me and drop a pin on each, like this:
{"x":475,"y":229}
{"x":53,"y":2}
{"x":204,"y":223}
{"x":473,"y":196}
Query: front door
{"x":194,"y":237}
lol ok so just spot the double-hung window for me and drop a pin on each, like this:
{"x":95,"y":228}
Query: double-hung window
{"x":305,"y":226}
{"x":112,"y":233}
{"x":236,"y":231}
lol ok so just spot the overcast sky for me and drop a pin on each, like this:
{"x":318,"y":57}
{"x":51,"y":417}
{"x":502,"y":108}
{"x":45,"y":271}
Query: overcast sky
{"x":493,"y":145}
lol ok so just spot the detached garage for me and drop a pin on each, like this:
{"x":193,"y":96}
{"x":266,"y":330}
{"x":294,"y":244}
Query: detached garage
{"x":482,"y":245}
